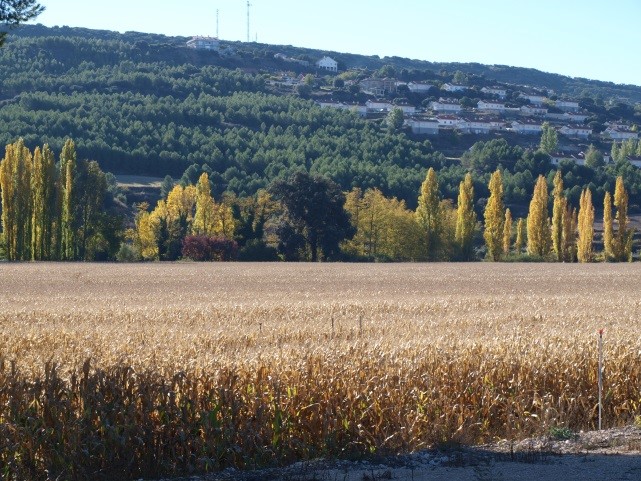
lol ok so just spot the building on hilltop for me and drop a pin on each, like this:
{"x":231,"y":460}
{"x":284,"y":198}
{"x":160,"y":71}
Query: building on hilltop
{"x":327,"y":63}
{"x":204,"y":43}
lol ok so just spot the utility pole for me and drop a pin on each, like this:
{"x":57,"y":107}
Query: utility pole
{"x":248,"y":5}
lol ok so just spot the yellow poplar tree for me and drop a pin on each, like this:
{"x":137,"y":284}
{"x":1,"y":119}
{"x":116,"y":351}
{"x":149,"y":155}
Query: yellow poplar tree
{"x":585,"y":227}
{"x":507,"y":232}
{"x":67,"y":173}
{"x":465,"y":218}
{"x":494,"y":218}
{"x":43,"y":197}
{"x":569,"y":234}
{"x":608,"y":239}
{"x":538,"y":232}
{"x":428,"y":214}
{"x":205,"y":216}
{"x":623,"y":241}
{"x":558,"y":211}
{"x":520,"y":235}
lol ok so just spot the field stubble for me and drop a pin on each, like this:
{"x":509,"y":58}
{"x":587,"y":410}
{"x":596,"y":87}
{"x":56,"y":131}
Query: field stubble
{"x":130,"y":370}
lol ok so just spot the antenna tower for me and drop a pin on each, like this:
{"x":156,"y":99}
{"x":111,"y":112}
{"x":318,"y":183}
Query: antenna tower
{"x":217,"y":24}
{"x":248,"y":5}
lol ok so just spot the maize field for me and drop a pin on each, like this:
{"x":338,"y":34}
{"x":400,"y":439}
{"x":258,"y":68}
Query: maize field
{"x":122,"y":371}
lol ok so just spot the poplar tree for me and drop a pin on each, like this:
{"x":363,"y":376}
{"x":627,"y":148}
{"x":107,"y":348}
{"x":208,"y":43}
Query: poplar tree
{"x":623,"y":241}
{"x":205,"y":216}
{"x":520,"y":236}
{"x":43,"y":203}
{"x":538,"y":232}
{"x":558,"y":211}
{"x":569,"y":234}
{"x":15,"y":180}
{"x":494,"y":218}
{"x":428,"y":214}
{"x":465,"y":218}
{"x":507,"y":232}
{"x":608,"y":240}
{"x":585,"y":227}
{"x":549,"y":138}
{"x":66,"y":186}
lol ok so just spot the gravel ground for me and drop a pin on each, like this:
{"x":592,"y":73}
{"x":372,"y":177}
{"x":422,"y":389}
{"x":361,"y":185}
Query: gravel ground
{"x":613,"y":454}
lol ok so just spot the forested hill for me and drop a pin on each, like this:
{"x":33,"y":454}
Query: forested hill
{"x":145,"y":104}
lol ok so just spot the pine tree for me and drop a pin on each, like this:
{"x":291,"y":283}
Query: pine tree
{"x":608,"y":240}
{"x":520,"y":236}
{"x":428,"y":214}
{"x":494,"y":218}
{"x":538,"y":232}
{"x":586,"y":227}
{"x":507,"y":232}
{"x":558,"y":211}
{"x":465,"y":218}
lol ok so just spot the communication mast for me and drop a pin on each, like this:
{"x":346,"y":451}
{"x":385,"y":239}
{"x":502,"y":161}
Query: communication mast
{"x":248,"y":5}
{"x":217,"y":36}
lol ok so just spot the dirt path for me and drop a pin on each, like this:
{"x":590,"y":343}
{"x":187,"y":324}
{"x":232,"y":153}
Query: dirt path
{"x":613,"y":454}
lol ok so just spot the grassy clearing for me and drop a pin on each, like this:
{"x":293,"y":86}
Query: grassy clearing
{"x":124,"y":371}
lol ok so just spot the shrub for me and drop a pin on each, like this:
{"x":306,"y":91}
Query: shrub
{"x":203,"y":248}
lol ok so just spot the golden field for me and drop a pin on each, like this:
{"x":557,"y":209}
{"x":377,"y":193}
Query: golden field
{"x":121,"y":371}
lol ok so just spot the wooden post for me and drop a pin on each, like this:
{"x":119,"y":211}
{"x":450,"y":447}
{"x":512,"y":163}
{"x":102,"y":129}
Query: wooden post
{"x":600,"y":375}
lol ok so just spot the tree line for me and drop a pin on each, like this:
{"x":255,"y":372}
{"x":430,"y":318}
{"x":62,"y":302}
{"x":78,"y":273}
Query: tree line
{"x":56,"y":210}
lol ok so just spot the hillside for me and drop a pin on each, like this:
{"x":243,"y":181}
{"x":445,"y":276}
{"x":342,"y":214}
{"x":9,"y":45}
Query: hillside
{"x":145,"y":104}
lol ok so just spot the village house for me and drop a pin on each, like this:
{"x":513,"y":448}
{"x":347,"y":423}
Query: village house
{"x":406,"y":108}
{"x":475,"y":126}
{"x":575,"y":117}
{"x":557,"y":157}
{"x":445,"y":105}
{"x":567,"y":105}
{"x":358,"y":109}
{"x":419,"y":88}
{"x":490,"y":106}
{"x":533,"y":110}
{"x":204,"y":43}
{"x":448,"y":87}
{"x":534,"y":99}
{"x":331,"y":104}
{"x":327,"y":63}
{"x":526,"y":127}
{"x":634,"y":160}
{"x":579,"y":131}
{"x":448,"y":121}
{"x":619,"y":134}
{"x":378,"y":106}
{"x":378,"y":86}
{"x":500,"y":93}
{"x":423,"y":126}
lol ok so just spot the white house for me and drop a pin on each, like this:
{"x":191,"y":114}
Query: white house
{"x":378,"y":105}
{"x":360,"y":110}
{"x":534,"y":99}
{"x":526,"y":127}
{"x":331,"y":104}
{"x":619,"y":134}
{"x":204,"y":43}
{"x":419,"y":88}
{"x":445,"y":106}
{"x":575,"y":117}
{"x":327,"y":63}
{"x":423,"y":126}
{"x":557,"y":157}
{"x":490,"y":106}
{"x":529,"y":110}
{"x":500,"y":93}
{"x":406,"y":108}
{"x":448,"y":87}
{"x":567,"y":105}
{"x":475,"y":126}
{"x":579,"y":131}
{"x":448,"y":121}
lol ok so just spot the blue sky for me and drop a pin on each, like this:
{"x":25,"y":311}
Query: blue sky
{"x":580,"y":38}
